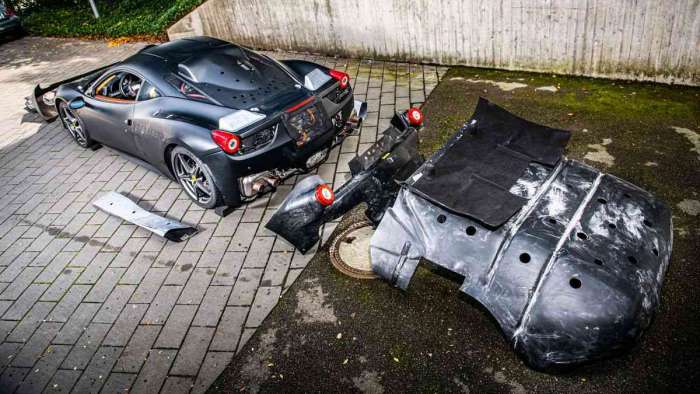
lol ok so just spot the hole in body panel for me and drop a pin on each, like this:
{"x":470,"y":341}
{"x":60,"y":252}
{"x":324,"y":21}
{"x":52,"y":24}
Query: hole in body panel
{"x":525,"y":258}
{"x":471,"y":230}
{"x":441,"y":218}
{"x":575,"y":283}
{"x":582,"y":235}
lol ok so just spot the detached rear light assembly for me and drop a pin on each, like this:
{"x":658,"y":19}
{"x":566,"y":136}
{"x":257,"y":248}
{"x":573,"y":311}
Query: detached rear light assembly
{"x":415,"y":116}
{"x":342,"y":78}
{"x":324,"y":195}
{"x":227,"y":141}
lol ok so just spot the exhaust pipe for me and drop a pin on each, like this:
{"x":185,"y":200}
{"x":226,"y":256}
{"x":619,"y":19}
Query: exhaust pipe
{"x":259,"y":183}
{"x":358,"y":114}
{"x":263,"y":182}
{"x":360,"y":109}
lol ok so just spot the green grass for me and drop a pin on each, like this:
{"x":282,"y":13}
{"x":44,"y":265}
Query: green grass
{"x":118,"y":18}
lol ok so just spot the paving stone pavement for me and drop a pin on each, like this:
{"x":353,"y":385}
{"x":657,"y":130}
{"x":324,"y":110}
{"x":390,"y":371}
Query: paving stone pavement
{"x":91,"y":303}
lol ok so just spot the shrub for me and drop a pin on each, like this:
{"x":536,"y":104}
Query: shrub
{"x":118,"y":18}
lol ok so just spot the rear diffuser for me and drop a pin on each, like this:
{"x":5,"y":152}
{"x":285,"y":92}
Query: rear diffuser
{"x":121,"y":206}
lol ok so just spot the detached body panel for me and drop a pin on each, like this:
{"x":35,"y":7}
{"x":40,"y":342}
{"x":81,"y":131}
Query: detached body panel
{"x":122,"y":207}
{"x":564,"y":285}
{"x":573,"y":274}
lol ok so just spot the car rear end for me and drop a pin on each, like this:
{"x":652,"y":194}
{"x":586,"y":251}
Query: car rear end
{"x":294,"y":137}
{"x":267,"y":119}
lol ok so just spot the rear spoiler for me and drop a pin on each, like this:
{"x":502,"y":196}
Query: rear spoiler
{"x":45,"y":106}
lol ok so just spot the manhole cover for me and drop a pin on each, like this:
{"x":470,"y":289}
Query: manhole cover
{"x":350,"y":251}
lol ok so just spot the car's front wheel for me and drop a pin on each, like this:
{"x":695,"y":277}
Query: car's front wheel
{"x":74,"y":125}
{"x":195,"y":177}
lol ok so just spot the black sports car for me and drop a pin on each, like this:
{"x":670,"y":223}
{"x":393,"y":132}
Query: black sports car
{"x":226,"y":122}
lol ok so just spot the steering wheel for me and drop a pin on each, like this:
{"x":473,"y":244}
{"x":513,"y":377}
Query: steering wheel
{"x":129,"y":86}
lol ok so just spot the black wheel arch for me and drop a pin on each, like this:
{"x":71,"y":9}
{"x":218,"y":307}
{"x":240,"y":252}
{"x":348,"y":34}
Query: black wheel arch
{"x":225,"y":178}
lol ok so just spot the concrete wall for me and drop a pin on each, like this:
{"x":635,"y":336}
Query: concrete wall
{"x":655,"y":40}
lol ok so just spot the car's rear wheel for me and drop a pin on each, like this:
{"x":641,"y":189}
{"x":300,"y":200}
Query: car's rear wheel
{"x":195,"y":177}
{"x":74,"y":125}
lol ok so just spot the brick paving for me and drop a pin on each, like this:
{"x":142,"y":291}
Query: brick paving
{"x":91,"y":303}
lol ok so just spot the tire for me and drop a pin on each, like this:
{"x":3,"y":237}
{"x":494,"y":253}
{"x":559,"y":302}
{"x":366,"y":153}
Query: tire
{"x":74,"y":125}
{"x":195,"y":178}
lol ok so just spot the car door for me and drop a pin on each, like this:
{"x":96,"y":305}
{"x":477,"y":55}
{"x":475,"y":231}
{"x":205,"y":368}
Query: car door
{"x":109,"y":119}
{"x":148,"y":127}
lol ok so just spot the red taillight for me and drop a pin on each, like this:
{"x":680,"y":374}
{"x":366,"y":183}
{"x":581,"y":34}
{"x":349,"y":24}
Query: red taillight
{"x":343,"y":78}
{"x":415,"y":117}
{"x":299,"y":104}
{"x":229,"y":142}
{"x":325,"y":195}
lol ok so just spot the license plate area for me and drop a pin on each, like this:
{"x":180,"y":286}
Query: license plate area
{"x":307,"y":124}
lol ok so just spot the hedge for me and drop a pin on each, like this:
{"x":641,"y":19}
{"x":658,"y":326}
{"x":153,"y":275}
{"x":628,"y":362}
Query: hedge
{"x":118,"y":18}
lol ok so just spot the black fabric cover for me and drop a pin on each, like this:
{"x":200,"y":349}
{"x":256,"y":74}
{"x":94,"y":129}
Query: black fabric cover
{"x":473,"y":173}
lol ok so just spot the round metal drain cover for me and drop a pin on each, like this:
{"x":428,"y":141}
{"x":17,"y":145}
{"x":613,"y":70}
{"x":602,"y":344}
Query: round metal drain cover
{"x":350,"y":251}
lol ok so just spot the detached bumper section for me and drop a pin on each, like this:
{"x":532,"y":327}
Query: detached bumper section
{"x":374,"y":180}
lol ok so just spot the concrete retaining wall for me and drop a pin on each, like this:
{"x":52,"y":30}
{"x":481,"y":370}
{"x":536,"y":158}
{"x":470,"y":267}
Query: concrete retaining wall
{"x":655,"y":40}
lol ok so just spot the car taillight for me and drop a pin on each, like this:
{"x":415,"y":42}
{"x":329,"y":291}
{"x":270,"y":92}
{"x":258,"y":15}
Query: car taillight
{"x":300,"y":104}
{"x":229,"y":142}
{"x":325,"y":195}
{"x":415,"y":117}
{"x":343,"y":78}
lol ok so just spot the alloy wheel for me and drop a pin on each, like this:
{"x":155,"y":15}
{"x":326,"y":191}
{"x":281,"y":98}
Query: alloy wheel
{"x":192,"y":178}
{"x":73,"y":125}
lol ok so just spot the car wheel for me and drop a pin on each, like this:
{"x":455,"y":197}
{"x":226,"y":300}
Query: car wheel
{"x":195,"y":177}
{"x":74,"y":125}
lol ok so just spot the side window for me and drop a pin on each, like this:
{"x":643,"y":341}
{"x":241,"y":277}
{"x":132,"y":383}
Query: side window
{"x":118,"y":87}
{"x":147,"y":92}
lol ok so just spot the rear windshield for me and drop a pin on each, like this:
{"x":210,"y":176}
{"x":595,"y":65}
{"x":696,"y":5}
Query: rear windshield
{"x":187,"y":89}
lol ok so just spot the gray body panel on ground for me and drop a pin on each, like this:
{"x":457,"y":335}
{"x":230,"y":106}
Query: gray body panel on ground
{"x":121,"y":206}
{"x":574,"y":276}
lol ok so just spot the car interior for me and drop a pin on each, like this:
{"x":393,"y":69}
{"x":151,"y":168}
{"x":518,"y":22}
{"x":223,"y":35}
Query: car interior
{"x":119,"y":87}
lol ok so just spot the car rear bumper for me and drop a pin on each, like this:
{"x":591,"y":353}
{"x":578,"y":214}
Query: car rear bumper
{"x":279,"y":160}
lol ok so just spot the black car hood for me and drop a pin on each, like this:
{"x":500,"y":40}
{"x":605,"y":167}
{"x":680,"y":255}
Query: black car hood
{"x":238,"y":78}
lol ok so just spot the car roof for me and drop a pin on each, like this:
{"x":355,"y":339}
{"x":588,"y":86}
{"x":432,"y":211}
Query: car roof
{"x":175,"y":51}
{"x":230,"y":74}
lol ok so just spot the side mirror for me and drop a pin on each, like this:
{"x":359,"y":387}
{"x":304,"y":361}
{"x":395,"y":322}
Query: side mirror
{"x":76,"y":103}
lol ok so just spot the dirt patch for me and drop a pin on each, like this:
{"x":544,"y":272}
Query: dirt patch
{"x":369,"y":382}
{"x":692,"y":136}
{"x":504,"y":86}
{"x":690,"y":207}
{"x":551,"y":89}
{"x":600,"y":153}
{"x":312,"y":305}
